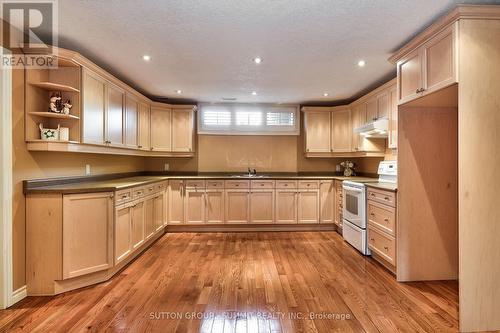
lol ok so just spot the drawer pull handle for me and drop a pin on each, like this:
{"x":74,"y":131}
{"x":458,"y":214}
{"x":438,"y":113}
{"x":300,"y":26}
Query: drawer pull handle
{"x":286,"y":185}
{"x":372,"y":194}
{"x":372,"y":214}
{"x":124,"y":196}
{"x":386,"y":248}
{"x":386,"y":220}
{"x":372,"y":239}
{"x":261,"y":184}
{"x":386,"y":198}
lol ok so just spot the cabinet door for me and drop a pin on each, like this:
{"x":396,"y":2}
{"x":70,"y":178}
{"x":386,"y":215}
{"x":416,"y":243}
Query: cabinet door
{"x":137,"y":225}
{"x":115,"y":110}
{"x":338,"y":203}
{"x":286,"y":206}
{"x":358,"y":119}
{"x":131,"y":122}
{"x":371,"y":110}
{"x":182,"y":130}
{"x":149,"y":218}
{"x":176,"y":202}
{"x":161,"y":127}
{"x":327,"y":194}
{"x":409,"y":77}
{"x":341,"y":131}
{"x":87,"y":233}
{"x":123,"y":225}
{"x":308,"y":206}
{"x":393,"y":118}
{"x":262,"y":206}
{"x":94,"y":106}
{"x":144,"y":125}
{"x":317,"y":128}
{"x":383,"y":105}
{"x":214,"y":206}
{"x":237,"y":206}
{"x":194,"y":206}
{"x":159,"y":211}
{"x":440,"y":59}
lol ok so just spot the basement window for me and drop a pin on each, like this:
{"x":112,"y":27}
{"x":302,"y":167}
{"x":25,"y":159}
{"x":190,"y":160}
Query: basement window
{"x":248,"y":119}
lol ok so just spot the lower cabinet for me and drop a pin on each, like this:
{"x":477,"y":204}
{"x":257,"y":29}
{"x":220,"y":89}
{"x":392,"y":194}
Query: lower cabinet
{"x":286,"y":206}
{"x":159,"y":218}
{"x":123,"y":232}
{"x":262,"y":206}
{"x":149,"y":217}
{"x":214,"y":206}
{"x":327,"y":204}
{"x":137,"y":227}
{"x":338,"y":203}
{"x":194,"y":205}
{"x":308,"y":206}
{"x":237,"y":206}
{"x":87,"y":233}
{"x":176,"y":202}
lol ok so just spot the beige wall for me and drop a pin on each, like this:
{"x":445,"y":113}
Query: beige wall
{"x":31,"y":165}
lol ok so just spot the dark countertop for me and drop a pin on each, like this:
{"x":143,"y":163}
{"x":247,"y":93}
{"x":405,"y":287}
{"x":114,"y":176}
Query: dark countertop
{"x":383,"y":186}
{"x":107,"y":184}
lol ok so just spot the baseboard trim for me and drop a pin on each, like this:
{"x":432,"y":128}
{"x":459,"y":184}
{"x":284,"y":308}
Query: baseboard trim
{"x":249,"y":227}
{"x":19,"y":294}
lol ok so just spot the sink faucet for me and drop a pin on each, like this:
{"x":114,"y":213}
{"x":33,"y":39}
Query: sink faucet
{"x":252,"y":173}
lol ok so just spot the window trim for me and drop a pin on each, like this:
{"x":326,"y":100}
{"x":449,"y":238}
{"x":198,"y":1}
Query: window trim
{"x":274,"y":130}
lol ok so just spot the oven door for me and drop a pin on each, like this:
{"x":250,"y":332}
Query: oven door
{"x":354,"y":205}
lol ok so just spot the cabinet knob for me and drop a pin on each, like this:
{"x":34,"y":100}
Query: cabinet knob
{"x":139,"y":146}
{"x":307,"y":149}
{"x":386,"y":248}
{"x":372,"y":239}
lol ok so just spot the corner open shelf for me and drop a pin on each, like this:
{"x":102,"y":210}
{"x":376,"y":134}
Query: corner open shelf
{"x":50,"y":86}
{"x":54,"y":115}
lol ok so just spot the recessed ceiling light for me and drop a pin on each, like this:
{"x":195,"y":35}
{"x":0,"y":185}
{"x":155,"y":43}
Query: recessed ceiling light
{"x":146,"y":57}
{"x":257,"y":60}
{"x":361,"y":63}
{"x":325,"y":94}
{"x":254,"y":93}
{"x":178,"y":91}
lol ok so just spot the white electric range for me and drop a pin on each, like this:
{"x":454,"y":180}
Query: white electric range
{"x":354,"y":206}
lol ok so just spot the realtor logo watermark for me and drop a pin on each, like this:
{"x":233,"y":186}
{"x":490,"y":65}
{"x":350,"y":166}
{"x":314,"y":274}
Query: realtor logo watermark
{"x":29,"y":32}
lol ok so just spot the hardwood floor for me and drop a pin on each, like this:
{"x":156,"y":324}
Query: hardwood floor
{"x":245,"y":282}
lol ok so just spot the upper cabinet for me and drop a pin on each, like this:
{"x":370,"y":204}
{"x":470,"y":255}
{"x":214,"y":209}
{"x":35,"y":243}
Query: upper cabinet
{"x":430,"y":67}
{"x":341,"y":131}
{"x":182,"y":130}
{"x":317,"y":131}
{"x":107,"y":117}
{"x":392,"y":141}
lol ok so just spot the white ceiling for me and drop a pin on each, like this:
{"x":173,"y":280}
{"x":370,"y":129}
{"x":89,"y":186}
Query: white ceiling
{"x":206,"y":47}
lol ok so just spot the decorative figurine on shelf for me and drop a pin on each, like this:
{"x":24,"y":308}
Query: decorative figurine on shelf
{"x":67,"y":107}
{"x":55,"y":103}
{"x":348,"y":168}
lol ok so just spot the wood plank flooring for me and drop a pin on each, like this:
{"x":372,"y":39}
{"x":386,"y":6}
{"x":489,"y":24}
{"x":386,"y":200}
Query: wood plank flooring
{"x":245,"y":282}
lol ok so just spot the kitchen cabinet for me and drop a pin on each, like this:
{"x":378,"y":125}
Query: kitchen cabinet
{"x":131,"y":122}
{"x":237,"y":205}
{"x":430,"y":67}
{"x":371,"y":109}
{"x":286,"y":206}
{"x":115,"y":109}
{"x":214,"y":205}
{"x":87,"y":233}
{"x":393,"y":119}
{"x":383,"y":105}
{"x":327,"y":201}
{"x":341,"y":130}
{"x":317,"y":131}
{"x":94,"y":104}
{"x":195,"y":205}
{"x":358,"y":119}
{"x":143,"y":136}
{"x":137,"y":225}
{"x":182,"y":130}
{"x":262,"y":206}
{"x":308,"y":206}
{"x":176,"y":202}
{"x":161,"y":129}
{"x":149,"y":217}
{"x":123,"y":232}
{"x":159,"y":211}
{"x":338,"y":203}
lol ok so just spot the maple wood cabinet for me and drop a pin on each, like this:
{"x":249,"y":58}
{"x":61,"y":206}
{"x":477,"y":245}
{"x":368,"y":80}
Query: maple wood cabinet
{"x":143,"y":135}
{"x":114,"y":120}
{"x":182,"y":130}
{"x":317,"y":131}
{"x":286,"y":206}
{"x":131,"y":121}
{"x":237,"y":206}
{"x":430,"y":67}
{"x":392,"y":141}
{"x":338,"y":204}
{"x":194,"y":205}
{"x":341,"y":130}
{"x":214,"y":206}
{"x":262,"y":206}
{"x":172,"y":129}
{"x":327,"y":201}
{"x":161,"y":129}
{"x":137,"y":225}
{"x":93,"y":108}
{"x":176,"y":202}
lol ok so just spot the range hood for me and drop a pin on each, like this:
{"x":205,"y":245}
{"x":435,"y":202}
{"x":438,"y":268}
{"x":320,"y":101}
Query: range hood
{"x":375,"y":129}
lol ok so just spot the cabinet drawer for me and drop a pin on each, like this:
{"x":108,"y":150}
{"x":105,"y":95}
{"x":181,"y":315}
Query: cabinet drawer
{"x":382,"y":217}
{"x":385,"y":197}
{"x":215,"y":184}
{"x":138,"y":192}
{"x":237,"y":184}
{"x":285,"y":184}
{"x":256,"y":184}
{"x":150,"y":189}
{"x":382,"y":244}
{"x":123,"y":196}
{"x":308,"y":184}
{"x":195,"y":184}
{"x":160,"y":187}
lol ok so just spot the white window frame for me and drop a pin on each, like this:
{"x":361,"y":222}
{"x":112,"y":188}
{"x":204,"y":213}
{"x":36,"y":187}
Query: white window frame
{"x":263,"y":129}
